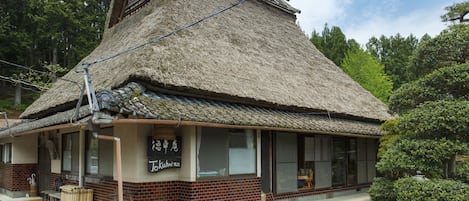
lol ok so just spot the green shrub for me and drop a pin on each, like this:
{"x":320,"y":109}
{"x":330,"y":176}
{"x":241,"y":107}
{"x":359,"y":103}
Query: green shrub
{"x":431,"y":190}
{"x":382,"y":190}
{"x":462,"y":171}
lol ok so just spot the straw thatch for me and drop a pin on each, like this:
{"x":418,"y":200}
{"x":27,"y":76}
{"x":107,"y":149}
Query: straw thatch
{"x":254,"y":52}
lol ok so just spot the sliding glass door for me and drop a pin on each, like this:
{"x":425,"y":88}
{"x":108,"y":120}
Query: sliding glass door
{"x":344,"y":161}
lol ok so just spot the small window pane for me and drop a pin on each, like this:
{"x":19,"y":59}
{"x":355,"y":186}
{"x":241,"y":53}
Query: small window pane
{"x":106,"y":157}
{"x":70,"y":147}
{"x":224,"y":152}
{"x":92,"y":156}
{"x":1,"y":153}
{"x":242,"y":154}
{"x":100,"y":154}
{"x":6,"y":153}
{"x":212,"y":152}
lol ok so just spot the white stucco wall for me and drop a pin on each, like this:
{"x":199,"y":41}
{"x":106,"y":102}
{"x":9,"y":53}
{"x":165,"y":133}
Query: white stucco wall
{"x":24,"y":149}
{"x":189,"y":154}
{"x":135,"y":160}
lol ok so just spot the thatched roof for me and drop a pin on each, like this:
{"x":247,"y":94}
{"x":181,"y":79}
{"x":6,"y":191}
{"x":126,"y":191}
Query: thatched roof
{"x":251,"y":53}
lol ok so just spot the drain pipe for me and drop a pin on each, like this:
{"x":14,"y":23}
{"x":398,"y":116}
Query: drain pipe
{"x":117,"y":142}
{"x":81,"y":156}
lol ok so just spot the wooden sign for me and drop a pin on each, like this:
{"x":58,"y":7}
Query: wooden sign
{"x":163,"y":153}
{"x":161,"y":164}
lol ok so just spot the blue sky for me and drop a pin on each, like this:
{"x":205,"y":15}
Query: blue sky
{"x":362,"y":19}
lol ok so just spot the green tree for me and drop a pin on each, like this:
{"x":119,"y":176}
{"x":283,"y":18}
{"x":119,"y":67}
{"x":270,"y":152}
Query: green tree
{"x":332,"y":43}
{"x":368,"y":72}
{"x":456,"y":12}
{"x":450,"y":47}
{"x":394,"y":53}
{"x":433,"y":124}
{"x":40,"y":33}
{"x":449,"y":83}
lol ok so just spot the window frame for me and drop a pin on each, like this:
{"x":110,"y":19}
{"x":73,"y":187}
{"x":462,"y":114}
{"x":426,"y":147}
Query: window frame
{"x":63,"y":155}
{"x":6,"y":150}
{"x":75,"y":142}
{"x":108,"y":131}
{"x":228,"y":132}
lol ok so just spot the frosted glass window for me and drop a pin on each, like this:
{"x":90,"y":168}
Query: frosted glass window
{"x":286,"y":162}
{"x":224,"y":152}
{"x":100,"y":154}
{"x":5,"y":153}
{"x":242,"y":152}
{"x":70,"y":147}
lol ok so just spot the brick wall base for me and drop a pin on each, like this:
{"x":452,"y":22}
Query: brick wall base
{"x":233,"y":189}
{"x":13,"y":176}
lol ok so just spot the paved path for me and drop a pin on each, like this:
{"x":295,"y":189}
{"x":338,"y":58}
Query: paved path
{"x":6,"y":198}
{"x":354,"y":197}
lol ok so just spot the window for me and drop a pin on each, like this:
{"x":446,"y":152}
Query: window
{"x":366,"y":160}
{"x":344,"y":161}
{"x":225,"y":152}
{"x":99,"y":154}
{"x":5,"y":153}
{"x":123,"y":8}
{"x":314,"y":162}
{"x":70,"y":147}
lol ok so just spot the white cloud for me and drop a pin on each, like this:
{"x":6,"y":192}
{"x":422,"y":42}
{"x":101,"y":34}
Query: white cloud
{"x":315,"y":13}
{"x":417,"y":23}
{"x":369,"y":19}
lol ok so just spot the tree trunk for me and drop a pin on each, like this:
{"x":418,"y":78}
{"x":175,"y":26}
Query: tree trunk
{"x":452,"y":167}
{"x":54,"y":55}
{"x":18,"y":94}
{"x":4,"y":83}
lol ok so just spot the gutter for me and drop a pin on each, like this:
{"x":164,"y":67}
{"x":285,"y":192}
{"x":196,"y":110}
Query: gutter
{"x":6,"y":122}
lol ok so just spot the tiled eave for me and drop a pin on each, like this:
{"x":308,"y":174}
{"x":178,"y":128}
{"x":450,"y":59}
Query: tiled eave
{"x":134,"y":102}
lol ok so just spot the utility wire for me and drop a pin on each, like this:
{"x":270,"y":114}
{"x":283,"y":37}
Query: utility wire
{"x":159,"y":38}
{"x":38,"y":71}
{"x":23,"y":82}
{"x":23,"y":67}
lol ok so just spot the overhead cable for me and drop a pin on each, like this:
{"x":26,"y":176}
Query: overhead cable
{"x":21,"y":66}
{"x":23,"y":82}
{"x":159,"y":38}
{"x":38,"y":71}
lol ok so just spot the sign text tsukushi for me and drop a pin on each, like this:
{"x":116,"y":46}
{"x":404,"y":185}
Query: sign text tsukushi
{"x":163,"y":153}
{"x":158,"y":165}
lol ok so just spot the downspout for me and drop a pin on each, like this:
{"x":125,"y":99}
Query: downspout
{"x":117,"y":142}
{"x":81,"y":156}
{"x":96,"y":120}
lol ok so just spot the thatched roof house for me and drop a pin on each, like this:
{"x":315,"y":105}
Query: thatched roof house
{"x":248,"y":67}
{"x":246,"y":54}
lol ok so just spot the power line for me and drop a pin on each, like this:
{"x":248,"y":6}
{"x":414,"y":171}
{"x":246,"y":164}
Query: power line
{"x":159,"y":38}
{"x":21,"y":66}
{"x":42,"y":72}
{"x":23,"y":82}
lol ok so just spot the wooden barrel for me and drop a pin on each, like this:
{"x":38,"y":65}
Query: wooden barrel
{"x":32,"y":190}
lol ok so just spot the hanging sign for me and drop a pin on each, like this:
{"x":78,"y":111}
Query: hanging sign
{"x":163,"y":154}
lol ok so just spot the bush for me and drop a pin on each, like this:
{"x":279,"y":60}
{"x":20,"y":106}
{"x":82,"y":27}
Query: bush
{"x":462,"y":171}
{"x":432,"y":190}
{"x":407,"y":156}
{"x":382,"y":190}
